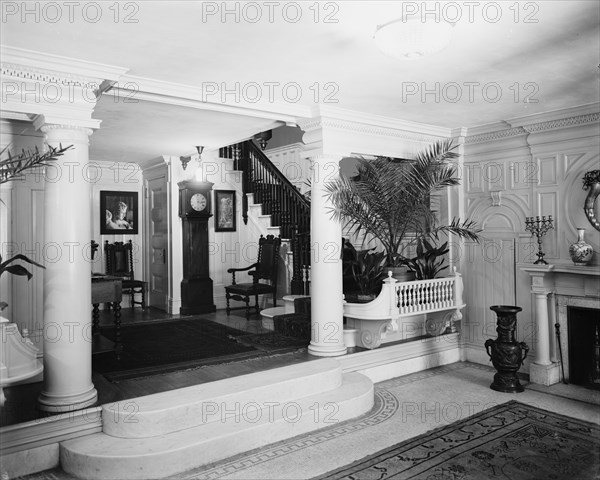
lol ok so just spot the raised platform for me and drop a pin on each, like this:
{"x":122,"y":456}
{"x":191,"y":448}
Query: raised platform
{"x":167,"y":433}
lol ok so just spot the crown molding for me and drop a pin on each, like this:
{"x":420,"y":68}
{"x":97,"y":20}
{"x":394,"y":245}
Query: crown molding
{"x":544,"y":119}
{"x":380,"y":121}
{"x":531,"y":124}
{"x":171,"y":93}
{"x":61,"y":67}
{"x":324,"y":123}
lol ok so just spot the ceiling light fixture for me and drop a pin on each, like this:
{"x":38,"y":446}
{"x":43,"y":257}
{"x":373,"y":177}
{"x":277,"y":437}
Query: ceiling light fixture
{"x":410,"y":39}
{"x":263,"y":137}
{"x":198,"y":174}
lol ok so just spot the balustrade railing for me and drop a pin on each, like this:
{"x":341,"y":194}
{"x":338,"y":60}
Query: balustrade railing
{"x":424,"y":295}
{"x":434,"y":305}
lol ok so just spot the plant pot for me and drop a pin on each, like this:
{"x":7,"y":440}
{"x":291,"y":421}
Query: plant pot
{"x":354,"y":297}
{"x":401,"y":274}
{"x":507,"y":354}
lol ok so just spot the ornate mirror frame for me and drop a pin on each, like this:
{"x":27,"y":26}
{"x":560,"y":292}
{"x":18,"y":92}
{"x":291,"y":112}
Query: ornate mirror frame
{"x":591,"y":182}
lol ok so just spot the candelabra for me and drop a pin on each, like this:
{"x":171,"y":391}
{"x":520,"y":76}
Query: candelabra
{"x":539,"y":227}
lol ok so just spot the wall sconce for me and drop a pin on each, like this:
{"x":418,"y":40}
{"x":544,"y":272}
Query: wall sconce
{"x":186,"y":159}
{"x":262,"y":138}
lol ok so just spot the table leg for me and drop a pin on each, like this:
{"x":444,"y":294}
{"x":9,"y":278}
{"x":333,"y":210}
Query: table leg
{"x":95,"y":319}
{"x":118,"y":344}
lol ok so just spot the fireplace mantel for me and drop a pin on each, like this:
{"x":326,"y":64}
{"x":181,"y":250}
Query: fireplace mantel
{"x":547,"y":282}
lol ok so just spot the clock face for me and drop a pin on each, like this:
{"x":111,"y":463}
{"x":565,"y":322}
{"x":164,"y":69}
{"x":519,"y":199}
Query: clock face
{"x":198,"y":202}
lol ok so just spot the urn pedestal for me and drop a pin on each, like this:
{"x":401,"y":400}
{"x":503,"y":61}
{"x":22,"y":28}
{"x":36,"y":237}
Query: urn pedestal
{"x":507,"y":354}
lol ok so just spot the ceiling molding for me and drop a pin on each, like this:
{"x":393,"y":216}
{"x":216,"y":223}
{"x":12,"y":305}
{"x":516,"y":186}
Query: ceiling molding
{"x":364,"y":128}
{"x":379,"y":121}
{"x":59,"y":66}
{"x":547,"y":121}
{"x":133,"y":87}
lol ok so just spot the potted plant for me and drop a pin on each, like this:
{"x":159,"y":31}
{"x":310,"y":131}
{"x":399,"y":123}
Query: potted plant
{"x":388,"y":200}
{"x":429,"y":261}
{"x":366,"y":267}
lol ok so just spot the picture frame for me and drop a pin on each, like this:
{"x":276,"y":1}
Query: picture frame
{"x":225,"y":212}
{"x":118,"y":213}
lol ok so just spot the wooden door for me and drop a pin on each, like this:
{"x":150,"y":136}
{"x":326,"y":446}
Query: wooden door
{"x":158,"y":284}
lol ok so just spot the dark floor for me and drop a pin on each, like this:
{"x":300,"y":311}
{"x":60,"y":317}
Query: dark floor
{"x":20,"y":405}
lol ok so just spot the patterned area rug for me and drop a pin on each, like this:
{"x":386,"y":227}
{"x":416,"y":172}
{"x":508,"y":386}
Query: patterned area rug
{"x":512,"y":441}
{"x":271,"y":342}
{"x":163,"y":347}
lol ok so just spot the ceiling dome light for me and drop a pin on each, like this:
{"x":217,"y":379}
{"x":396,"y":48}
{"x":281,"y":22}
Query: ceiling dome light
{"x":411,"y":39}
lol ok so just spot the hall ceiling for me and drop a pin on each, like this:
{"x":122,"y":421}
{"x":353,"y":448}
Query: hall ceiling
{"x":520,"y":59}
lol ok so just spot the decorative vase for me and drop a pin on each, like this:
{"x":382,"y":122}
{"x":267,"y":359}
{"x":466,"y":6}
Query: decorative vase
{"x":580,"y":251}
{"x":507,"y":354}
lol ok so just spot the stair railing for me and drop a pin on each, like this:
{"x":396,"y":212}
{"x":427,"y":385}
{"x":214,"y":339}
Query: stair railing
{"x":289,"y":209}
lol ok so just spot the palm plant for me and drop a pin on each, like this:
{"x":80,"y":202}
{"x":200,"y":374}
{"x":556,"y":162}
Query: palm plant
{"x":12,"y":168}
{"x":389,"y":200}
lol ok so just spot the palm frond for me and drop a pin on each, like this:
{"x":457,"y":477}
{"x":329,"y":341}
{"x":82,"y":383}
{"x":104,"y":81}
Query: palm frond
{"x":12,"y":168}
{"x":389,"y":199}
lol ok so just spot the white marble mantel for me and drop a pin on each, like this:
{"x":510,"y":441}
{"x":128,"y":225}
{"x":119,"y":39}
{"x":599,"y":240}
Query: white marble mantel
{"x":553,"y":286}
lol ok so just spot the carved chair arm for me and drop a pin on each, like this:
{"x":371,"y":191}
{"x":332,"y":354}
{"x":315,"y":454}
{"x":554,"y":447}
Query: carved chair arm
{"x":233,"y":270}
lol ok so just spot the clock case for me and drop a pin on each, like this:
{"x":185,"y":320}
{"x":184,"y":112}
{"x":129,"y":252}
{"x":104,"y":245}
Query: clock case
{"x":187,"y":190}
{"x":196,"y":286}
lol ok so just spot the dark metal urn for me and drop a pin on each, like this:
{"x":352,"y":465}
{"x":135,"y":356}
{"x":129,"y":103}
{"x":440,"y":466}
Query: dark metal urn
{"x":507,"y":354}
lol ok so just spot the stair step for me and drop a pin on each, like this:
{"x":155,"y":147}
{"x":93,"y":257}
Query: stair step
{"x":167,"y":412}
{"x":240,"y":416}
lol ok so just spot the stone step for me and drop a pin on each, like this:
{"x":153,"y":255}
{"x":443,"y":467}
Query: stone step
{"x":167,"y":412}
{"x":267,"y":316}
{"x":237,"y":415}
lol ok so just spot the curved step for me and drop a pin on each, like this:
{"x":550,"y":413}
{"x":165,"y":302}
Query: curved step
{"x":167,"y":412}
{"x":233,"y":430}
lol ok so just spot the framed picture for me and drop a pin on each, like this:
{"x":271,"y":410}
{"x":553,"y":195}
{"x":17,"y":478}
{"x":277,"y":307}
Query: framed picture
{"x":225,"y":211}
{"x":118,"y":213}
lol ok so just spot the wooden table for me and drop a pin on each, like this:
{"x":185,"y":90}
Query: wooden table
{"x":106,"y":289}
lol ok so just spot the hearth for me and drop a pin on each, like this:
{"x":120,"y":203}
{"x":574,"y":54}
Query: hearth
{"x":584,"y":346}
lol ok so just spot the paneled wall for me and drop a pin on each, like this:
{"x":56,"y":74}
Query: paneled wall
{"x":512,"y":172}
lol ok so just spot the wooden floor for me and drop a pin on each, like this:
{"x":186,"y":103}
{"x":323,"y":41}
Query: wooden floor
{"x":20,"y":403}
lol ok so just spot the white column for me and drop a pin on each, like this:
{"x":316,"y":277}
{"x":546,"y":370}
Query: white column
{"x":542,"y":344}
{"x":542,"y":370}
{"x":67,"y":281}
{"x":327,"y":309}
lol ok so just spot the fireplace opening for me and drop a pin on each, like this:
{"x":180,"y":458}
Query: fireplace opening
{"x":584,"y":346}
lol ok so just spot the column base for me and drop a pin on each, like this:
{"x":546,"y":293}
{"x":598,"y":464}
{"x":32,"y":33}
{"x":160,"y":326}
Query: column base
{"x":67,"y":403}
{"x":544,"y":374}
{"x":326,"y":351}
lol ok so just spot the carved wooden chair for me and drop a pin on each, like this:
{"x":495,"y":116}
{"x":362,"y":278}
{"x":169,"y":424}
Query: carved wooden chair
{"x":265,"y":268}
{"x":119,"y":263}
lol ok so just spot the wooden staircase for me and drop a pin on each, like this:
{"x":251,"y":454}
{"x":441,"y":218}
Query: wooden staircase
{"x":281,"y":209}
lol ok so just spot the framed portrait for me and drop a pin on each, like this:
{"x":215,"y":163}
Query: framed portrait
{"x":118,"y":213}
{"x":225,"y":211}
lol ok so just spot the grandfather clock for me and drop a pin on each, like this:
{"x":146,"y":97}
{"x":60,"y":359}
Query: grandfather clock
{"x":195,"y":210}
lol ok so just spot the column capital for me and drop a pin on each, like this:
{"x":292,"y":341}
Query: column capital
{"x":49,"y":124}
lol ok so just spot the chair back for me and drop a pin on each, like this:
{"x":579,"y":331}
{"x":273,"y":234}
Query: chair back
{"x":119,"y":259}
{"x":268,"y":258}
